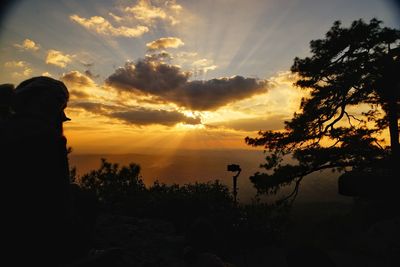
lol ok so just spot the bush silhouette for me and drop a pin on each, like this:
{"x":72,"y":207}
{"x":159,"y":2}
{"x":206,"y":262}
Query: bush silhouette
{"x":113,"y":184}
{"x":121,"y":190}
{"x":182,"y":204}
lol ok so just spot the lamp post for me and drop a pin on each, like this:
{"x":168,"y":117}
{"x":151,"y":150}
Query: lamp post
{"x":235,"y":168}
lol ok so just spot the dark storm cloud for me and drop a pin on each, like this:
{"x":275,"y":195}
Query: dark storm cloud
{"x":145,"y":117}
{"x":170,"y":83}
{"x":137,"y":115}
{"x":215,"y":93}
{"x":148,"y":77}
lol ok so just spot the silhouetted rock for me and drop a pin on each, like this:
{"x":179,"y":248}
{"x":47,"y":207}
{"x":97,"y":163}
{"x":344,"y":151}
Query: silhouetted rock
{"x":308,"y":256}
{"x":383,"y":240}
{"x":39,"y":224}
{"x":143,"y":242}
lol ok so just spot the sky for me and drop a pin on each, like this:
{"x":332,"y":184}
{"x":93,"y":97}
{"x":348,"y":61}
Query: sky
{"x":166,"y":75}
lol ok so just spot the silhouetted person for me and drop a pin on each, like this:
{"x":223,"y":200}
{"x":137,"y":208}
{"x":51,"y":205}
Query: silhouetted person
{"x":36,"y":207}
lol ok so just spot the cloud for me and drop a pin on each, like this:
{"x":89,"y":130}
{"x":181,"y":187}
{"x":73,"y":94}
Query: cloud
{"x":75,"y":78}
{"x":284,"y":78}
{"x":115,"y":17}
{"x":78,"y":84}
{"x":16,"y":64}
{"x":58,"y":58}
{"x":215,"y":93}
{"x":46,"y":73}
{"x":143,"y":116}
{"x":148,"y":77}
{"x":137,"y":115}
{"x":27,"y":44}
{"x":25,"y":73}
{"x":147,"y":13}
{"x":21,"y":68}
{"x":165,"y":42}
{"x":102,"y":26}
{"x":75,"y":94}
{"x":274,"y":122}
{"x":282,"y":98}
{"x":187,"y":55}
{"x":93,"y":107}
{"x":193,"y":62}
{"x":174,"y":6}
{"x":203,"y":66}
{"x":162,"y":56}
{"x":208,"y":68}
{"x":90,"y":74}
{"x":170,"y":83}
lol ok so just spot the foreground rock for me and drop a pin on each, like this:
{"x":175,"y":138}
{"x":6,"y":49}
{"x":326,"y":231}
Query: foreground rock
{"x":142,"y":242}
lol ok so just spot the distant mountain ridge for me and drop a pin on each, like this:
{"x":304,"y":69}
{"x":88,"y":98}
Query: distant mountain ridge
{"x":184,"y":166}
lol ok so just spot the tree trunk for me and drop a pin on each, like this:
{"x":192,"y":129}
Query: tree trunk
{"x":394,"y":128}
{"x":393,"y":84}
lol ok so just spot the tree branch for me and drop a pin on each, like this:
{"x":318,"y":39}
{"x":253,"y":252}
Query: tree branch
{"x":330,"y":125}
{"x":293,"y":193}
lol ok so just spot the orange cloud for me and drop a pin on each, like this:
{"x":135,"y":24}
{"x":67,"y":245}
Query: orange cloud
{"x":16,"y":64}
{"x":79,"y":85}
{"x":146,"y":12}
{"x":21,"y":68}
{"x":203,"y":66}
{"x":115,"y":17}
{"x":46,"y":73}
{"x":165,"y":42}
{"x":138,"y":116}
{"x":272,"y":122}
{"x":27,"y":44}
{"x":102,"y":26}
{"x":76,"y":79}
{"x":174,"y":6}
{"x":58,"y":58}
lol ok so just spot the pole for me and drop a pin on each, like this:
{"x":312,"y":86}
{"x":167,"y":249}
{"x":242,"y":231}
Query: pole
{"x":235,"y":189}
{"x":235,"y":168}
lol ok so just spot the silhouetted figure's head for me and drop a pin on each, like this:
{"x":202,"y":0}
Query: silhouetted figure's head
{"x":43,"y":98}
